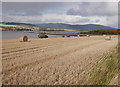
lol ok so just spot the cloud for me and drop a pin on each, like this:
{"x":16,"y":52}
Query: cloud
{"x":95,"y":9}
{"x":32,"y":8}
{"x":60,"y":0}
{"x":68,"y":19}
{"x":23,"y":8}
{"x":57,"y":18}
{"x":64,"y":12}
{"x":47,"y":18}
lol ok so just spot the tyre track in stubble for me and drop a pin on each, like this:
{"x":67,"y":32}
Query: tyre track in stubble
{"x":10,"y":71}
{"x":25,"y":51}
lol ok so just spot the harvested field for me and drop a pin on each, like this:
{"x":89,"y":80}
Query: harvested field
{"x":52,"y":60}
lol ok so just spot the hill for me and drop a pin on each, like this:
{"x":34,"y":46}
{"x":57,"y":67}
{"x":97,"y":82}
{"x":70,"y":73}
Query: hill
{"x":78,"y":27}
{"x":62,"y":26}
{"x":15,"y":23}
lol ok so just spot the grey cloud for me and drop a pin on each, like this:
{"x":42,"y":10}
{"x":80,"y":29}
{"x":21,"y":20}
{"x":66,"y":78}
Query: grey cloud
{"x":95,"y":9}
{"x":45,"y":19}
{"x":84,"y":20}
{"x":97,"y":21}
{"x":77,"y":13}
{"x":22,"y":8}
{"x":29,"y":8}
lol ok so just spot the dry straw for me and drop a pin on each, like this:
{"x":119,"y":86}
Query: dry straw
{"x":23,"y":39}
{"x":88,"y":35}
{"x":104,"y":35}
{"x":107,"y":37}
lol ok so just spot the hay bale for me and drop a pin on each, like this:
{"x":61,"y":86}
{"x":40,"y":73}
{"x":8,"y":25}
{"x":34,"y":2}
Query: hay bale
{"x":88,"y":35}
{"x":108,"y":38}
{"x":104,"y":35}
{"x":23,"y":39}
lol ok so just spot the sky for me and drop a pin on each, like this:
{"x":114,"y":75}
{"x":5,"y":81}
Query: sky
{"x":80,"y":13}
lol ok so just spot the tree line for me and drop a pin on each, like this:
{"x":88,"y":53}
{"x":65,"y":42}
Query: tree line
{"x":101,"y":32}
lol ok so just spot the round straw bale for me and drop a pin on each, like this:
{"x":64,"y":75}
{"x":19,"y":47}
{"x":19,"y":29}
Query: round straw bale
{"x":88,"y":35}
{"x":108,"y":38}
{"x":23,"y":39}
{"x":104,"y":35}
{"x":78,"y":35}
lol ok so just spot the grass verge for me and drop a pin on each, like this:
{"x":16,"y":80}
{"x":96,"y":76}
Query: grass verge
{"x":105,"y":70}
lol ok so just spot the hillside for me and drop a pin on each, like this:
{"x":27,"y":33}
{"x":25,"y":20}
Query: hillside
{"x":15,"y":23}
{"x":78,"y":27}
{"x":60,"y":26}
